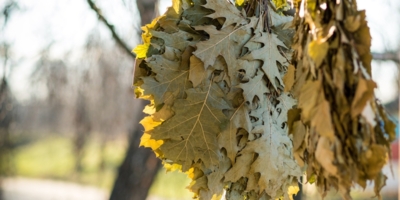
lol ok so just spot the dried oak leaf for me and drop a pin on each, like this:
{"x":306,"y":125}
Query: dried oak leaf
{"x":169,"y":78}
{"x":226,"y":10}
{"x":225,"y":42}
{"x":269,"y":55}
{"x":191,"y":134}
{"x":274,"y":162}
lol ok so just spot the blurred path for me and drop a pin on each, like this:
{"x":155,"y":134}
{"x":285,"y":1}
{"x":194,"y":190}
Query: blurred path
{"x":39,"y":189}
{"x":19,"y":188}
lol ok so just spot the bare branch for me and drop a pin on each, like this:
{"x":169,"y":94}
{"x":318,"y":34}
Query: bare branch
{"x":387,"y":56}
{"x":117,"y":38}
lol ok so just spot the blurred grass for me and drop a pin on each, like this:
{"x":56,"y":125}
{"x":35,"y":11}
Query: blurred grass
{"x":52,"y":157}
{"x":171,"y":185}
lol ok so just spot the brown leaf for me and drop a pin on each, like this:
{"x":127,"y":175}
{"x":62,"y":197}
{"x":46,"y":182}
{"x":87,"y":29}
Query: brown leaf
{"x":191,"y":134}
{"x":310,"y":97}
{"x":197,"y":71}
{"x":364,"y":93}
{"x":227,"y":139}
{"x":288,"y":79}
{"x":298,"y":134}
{"x":325,"y":156}
{"x":322,"y":121}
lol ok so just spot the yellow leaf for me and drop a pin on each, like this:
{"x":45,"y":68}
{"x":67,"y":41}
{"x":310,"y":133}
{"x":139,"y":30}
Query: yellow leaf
{"x":312,"y":179}
{"x":176,"y":4}
{"x":293,"y":190}
{"x":141,"y":50}
{"x":317,"y":51}
{"x":150,"y":109}
{"x":146,"y":141}
{"x":240,"y":2}
{"x":172,"y":167}
{"x":149,"y":124}
{"x":280,"y":3}
{"x":146,"y":35}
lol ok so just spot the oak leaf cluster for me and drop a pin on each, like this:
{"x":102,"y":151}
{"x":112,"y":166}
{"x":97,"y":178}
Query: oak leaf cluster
{"x":245,"y":99}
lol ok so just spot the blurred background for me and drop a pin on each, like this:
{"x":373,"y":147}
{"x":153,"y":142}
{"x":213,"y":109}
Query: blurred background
{"x":68,"y":118}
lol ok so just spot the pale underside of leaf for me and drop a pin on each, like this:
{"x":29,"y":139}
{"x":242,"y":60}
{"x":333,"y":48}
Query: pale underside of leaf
{"x":191,"y":135}
{"x":269,"y":55}
{"x":169,"y":78}
{"x":226,"y":10}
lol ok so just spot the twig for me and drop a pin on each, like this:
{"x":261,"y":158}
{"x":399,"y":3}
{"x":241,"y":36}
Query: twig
{"x":117,"y":38}
{"x":387,"y":56}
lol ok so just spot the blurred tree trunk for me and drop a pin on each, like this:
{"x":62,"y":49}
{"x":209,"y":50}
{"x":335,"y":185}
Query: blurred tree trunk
{"x":6,"y":106}
{"x":140,"y":166}
{"x":82,"y":128}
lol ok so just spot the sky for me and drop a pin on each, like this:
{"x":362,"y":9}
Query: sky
{"x":65,"y":25}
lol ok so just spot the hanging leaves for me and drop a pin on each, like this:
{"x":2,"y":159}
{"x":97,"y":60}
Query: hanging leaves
{"x":214,"y":75}
{"x":341,"y":132}
{"x":224,"y":97}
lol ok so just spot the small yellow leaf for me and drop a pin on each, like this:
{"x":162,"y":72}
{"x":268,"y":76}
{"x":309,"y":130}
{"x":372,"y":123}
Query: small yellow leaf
{"x":176,"y":4}
{"x":240,"y":2}
{"x":280,"y":3}
{"x":190,"y":173}
{"x":138,"y":92}
{"x":150,"y":109}
{"x":141,"y":50}
{"x":146,"y":35}
{"x":312,"y":179}
{"x":293,"y":190}
{"x":172,"y":167}
{"x":146,"y":141}
{"x":317,"y":51}
{"x":149,"y":124}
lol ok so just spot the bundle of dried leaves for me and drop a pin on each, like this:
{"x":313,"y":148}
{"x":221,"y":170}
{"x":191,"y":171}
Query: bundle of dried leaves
{"x":341,"y":133}
{"x":220,"y":83}
{"x":213,"y":73}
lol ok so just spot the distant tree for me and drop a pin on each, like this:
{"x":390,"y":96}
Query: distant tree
{"x":140,"y":166}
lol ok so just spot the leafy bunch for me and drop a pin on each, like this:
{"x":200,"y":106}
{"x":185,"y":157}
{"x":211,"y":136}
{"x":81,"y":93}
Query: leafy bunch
{"x":341,"y":132}
{"x":214,"y":75}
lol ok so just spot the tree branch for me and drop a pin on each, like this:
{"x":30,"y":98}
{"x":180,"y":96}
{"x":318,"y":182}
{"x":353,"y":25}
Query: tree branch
{"x":117,"y":38}
{"x":387,"y":56}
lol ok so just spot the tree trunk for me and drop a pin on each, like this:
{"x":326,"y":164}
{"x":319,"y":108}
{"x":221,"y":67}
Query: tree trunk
{"x":137,"y":172}
{"x":140,"y":166}
{"x":6,"y":106}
